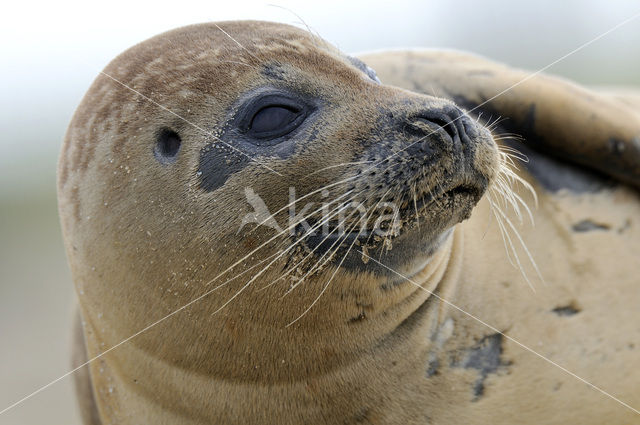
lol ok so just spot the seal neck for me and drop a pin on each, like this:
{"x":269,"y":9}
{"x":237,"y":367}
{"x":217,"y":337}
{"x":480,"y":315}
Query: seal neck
{"x":425,"y":304}
{"x":392,"y":341}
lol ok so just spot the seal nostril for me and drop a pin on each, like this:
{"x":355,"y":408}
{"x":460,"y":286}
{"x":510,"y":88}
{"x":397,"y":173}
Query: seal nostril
{"x":447,"y":125}
{"x":440,"y":120}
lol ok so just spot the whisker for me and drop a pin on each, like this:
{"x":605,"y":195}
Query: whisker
{"x":368,"y":216}
{"x":265,"y":269}
{"x":329,"y":254}
{"x":338,"y":165}
{"x":508,"y":241}
{"x":310,"y":253}
{"x":328,"y":282}
{"x":415,"y":206}
{"x":294,"y":202}
{"x":312,"y":193}
{"x":279,"y":234}
{"x":384,"y":195}
{"x":524,"y":246}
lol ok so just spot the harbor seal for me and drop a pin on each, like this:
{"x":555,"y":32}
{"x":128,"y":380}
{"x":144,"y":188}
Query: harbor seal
{"x":382,"y":292}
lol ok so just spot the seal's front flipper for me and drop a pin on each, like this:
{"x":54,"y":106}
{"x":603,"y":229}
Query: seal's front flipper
{"x":597,"y":130}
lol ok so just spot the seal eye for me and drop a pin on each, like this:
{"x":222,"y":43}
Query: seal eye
{"x":273,"y":121}
{"x":167,"y":146}
{"x":268,"y":118}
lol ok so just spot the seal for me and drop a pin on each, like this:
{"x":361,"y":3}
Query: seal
{"x":259,"y":231}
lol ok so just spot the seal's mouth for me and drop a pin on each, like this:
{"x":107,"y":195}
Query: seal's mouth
{"x":465,"y":190}
{"x":440,"y":201}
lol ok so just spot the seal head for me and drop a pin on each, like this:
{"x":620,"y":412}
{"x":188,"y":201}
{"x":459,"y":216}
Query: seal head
{"x":175,"y":185}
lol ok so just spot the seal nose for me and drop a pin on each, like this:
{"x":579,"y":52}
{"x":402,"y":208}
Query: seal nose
{"x":448,"y":121}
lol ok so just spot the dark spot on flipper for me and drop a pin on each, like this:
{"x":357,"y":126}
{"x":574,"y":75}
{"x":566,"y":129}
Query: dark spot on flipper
{"x":567,"y":310}
{"x":588,"y":226}
{"x":217,"y":163}
{"x":485,"y":357}
{"x":622,"y":159}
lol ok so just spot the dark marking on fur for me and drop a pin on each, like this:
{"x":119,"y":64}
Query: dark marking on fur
{"x":567,"y":310}
{"x":274,"y":71}
{"x":588,"y":226}
{"x":433,"y":367}
{"x":217,"y":164}
{"x":485,"y":357}
{"x":360,"y":317}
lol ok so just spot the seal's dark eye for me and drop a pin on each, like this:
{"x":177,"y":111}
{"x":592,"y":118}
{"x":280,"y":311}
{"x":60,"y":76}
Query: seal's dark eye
{"x":275,"y":119}
{"x":266,"y":119}
{"x":167,"y":146}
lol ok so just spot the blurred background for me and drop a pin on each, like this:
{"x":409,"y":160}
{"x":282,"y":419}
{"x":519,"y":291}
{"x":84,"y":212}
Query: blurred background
{"x":52,"y":51}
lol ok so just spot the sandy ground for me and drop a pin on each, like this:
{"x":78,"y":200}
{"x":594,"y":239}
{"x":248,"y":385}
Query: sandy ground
{"x":36,"y":300}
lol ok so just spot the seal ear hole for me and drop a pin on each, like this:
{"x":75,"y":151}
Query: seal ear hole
{"x":168,"y":144}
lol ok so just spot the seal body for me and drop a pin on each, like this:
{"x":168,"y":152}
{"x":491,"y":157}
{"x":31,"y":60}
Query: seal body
{"x":582,"y":157}
{"x":202,"y":301}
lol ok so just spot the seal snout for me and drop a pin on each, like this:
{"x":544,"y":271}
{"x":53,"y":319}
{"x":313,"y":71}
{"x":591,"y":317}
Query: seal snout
{"x":449,"y":122}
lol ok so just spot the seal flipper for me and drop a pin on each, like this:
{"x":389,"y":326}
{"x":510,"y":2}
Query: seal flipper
{"x":558,"y":118}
